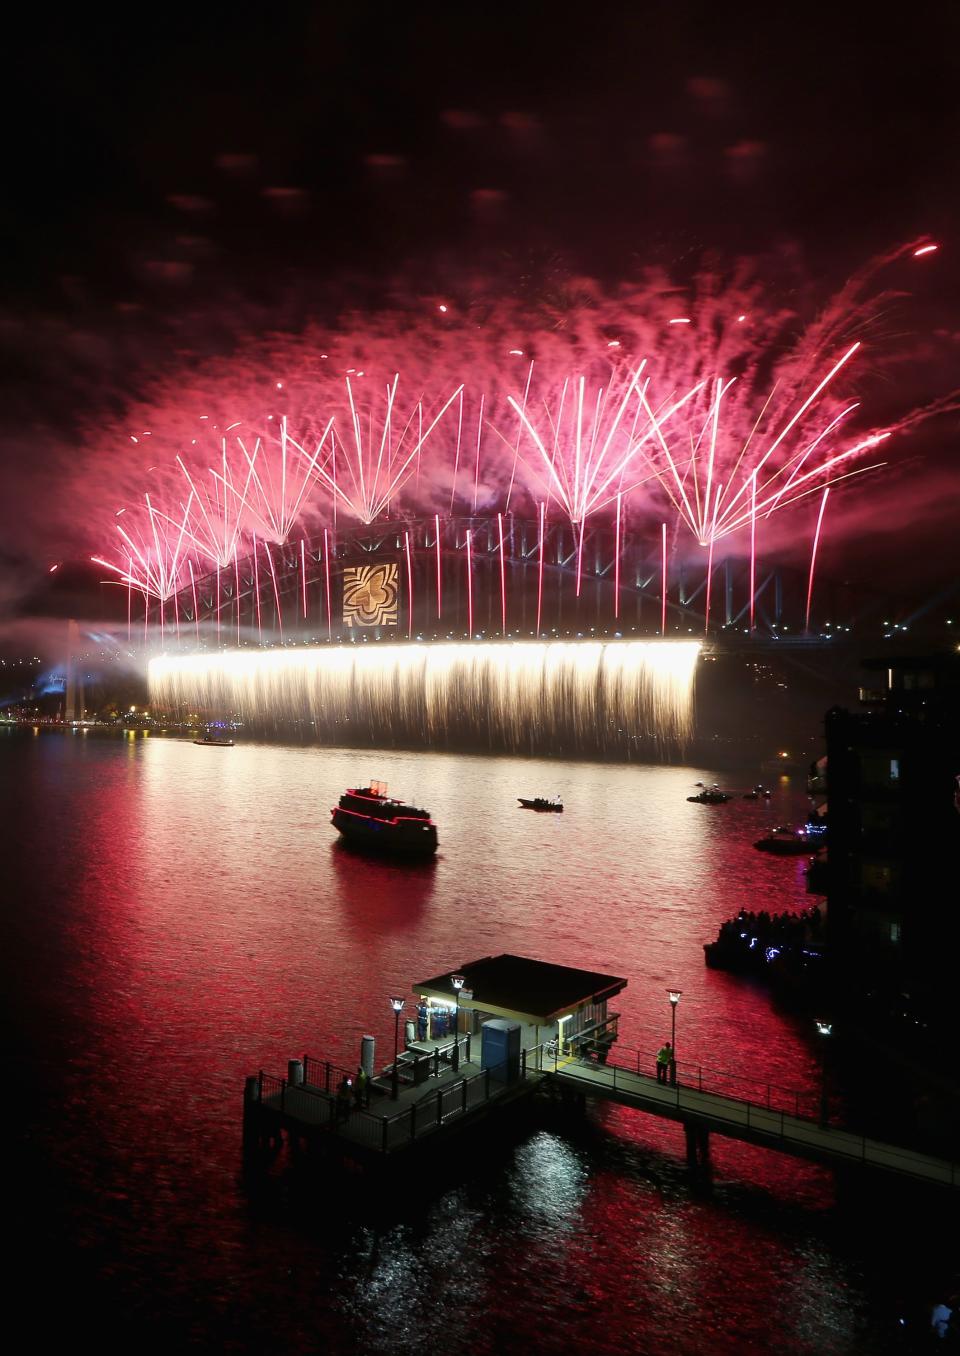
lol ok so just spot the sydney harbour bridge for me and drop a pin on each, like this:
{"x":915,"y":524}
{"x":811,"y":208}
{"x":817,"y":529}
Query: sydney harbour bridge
{"x":500,"y":632}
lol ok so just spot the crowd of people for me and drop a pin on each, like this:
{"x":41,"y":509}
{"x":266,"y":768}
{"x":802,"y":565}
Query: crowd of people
{"x":763,"y":929}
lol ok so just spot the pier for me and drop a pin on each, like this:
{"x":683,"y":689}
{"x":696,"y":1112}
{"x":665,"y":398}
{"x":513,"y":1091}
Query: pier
{"x":542,"y":1030}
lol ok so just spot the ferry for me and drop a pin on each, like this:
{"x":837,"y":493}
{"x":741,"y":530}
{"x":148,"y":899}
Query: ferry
{"x":368,"y":818}
{"x":541,"y":803}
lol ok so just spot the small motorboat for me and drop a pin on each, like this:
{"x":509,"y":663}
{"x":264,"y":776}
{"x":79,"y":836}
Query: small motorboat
{"x":215,"y":741}
{"x":786,"y":842}
{"x":541,"y":803}
{"x":710,"y":795}
{"x":759,"y":792}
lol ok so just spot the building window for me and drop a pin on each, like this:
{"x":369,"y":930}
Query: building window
{"x":894,"y":769}
{"x":894,"y":932}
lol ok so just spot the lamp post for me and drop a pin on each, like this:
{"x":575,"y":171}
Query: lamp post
{"x":824,"y":1029}
{"x":458,"y":982}
{"x":674,"y":996}
{"x":397,"y":1005}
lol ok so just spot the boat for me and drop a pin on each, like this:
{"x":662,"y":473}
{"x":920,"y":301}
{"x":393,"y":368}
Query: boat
{"x":710,"y":795}
{"x":786,"y":842}
{"x":215,"y":742}
{"x":759,"y":792}
{"x":368,"y":818}
{"x":541,"y":803}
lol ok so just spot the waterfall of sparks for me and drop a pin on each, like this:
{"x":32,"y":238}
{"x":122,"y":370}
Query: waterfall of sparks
{"x":326,"y":571}
{"x":503,"y":579}
{"x":436,"y":525}
{"x":176,"y":616}
{"x":406,"y":543}
{"x":218,"y":603}
{"x":813,"y":556}
{"x":236,"y":587}
{"x":161,"y":620}
{"x":256,"y":590}
{"x":584,"y":697}
{"x":196,"y":612}
{"x":663,"y":579}
{"x":469,"y":586}
{"x":476,"y":472}
{"x":543,"y":509}
{"x":753,"y":548}
{"x":130,"y":603}
{"x":706,"y":609}
{"x":616,"y":564}
{"x":303,"y":575}
{"x":146,"y":615}
{"x":276,"y":591}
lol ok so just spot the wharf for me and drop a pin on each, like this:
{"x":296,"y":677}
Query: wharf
{"x":385,"y":1126}
{"x":556,"y":1038}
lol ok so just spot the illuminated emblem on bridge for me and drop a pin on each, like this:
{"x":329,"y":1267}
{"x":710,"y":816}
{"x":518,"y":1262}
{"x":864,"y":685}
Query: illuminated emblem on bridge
{"x":371,"y":594}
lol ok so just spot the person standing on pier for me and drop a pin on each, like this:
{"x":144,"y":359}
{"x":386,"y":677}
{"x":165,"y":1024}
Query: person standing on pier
{"x":343,"y":1100}
{"x":664,"y":1060}
{"x":361,"y":1091}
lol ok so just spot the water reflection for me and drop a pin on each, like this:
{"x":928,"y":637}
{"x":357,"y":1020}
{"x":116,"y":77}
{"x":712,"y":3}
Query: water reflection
{"x":378,"y":895}
{"x":548,"y":1184}
{"x":197,"y":921}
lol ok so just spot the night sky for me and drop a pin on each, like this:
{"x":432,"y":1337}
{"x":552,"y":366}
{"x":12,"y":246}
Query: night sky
{"x":176,"y":185}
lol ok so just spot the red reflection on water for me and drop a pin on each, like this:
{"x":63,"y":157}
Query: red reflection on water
{"x":207,"y":923}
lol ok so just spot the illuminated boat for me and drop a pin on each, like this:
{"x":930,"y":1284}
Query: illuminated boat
{"x":214,"y":741}
{"x":541,"y":803}
{"x":710,"y":795}
{"x":367,"y":818}
{"x":786,"y":842}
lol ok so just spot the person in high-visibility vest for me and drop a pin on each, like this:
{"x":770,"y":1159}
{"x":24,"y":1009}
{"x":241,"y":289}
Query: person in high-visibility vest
{"x":664,"y":1060}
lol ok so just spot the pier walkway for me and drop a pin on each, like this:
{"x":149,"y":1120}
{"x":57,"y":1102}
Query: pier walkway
{"x":386,"y":1125}
{"x":771,"y":1122}
{"x":775,"y":1118}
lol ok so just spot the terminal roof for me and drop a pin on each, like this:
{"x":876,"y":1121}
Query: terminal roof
{"x":529,"y":988}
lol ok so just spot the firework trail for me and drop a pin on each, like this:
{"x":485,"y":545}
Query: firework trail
{"x":709,"y":399}
{"x":380,"y":450}
{"x":153,"y":552}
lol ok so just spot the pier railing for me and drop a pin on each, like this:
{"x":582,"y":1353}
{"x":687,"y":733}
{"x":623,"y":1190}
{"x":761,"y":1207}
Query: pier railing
{"x":314,"y":1102}
{"x":758,"y":1092}
{"x":771,"y":1112}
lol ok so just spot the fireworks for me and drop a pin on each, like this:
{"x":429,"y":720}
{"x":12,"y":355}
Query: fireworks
{"x":379,"y":451}
{"x":703,"y":415}
{"x":718,"y":485}
{"x":593,"y":697}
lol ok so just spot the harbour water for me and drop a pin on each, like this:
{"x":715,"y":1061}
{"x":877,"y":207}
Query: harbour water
{"x":177,"y":917}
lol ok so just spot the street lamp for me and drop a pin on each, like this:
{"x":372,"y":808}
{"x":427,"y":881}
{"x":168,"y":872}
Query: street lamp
{"x":458,"y":982}
{"x":674,"y":996}
{"x":824,"y":1029}
{"x":397,"y":1005}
